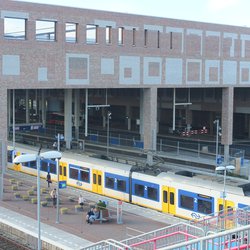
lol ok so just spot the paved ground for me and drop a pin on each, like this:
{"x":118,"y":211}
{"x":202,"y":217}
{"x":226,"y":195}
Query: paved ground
{"x":135,"y":219}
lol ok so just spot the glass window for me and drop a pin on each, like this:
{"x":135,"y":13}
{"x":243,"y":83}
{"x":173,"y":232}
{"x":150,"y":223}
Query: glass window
{"x":99,"y":180}
{"x":165,"y":196}
{"x":53,"y":169}
{"x":134,"y":32}
{"x":139,"y":190}
{"x":187,"y":202}
{"x":108,"y":34}
{"x":145,"y":37}
{"x":45,"y":30}
{"x":171,"y":198}
{"x":14,"y":28}
{"x":44,"y":166}
{"x":110,"y":183}
{"x":94,"y":178}
{"x":84,"y":175}
{"x":158,"y":39}
{"x":152,"y":193}
{"x":73,"y":173}
{"x":120,"y":35}
{"x":91,"y":34}
{"x":70,"y":32}
{"x":204,"y":206}
{"x":121,"y":185}
{"x":33,"y":164}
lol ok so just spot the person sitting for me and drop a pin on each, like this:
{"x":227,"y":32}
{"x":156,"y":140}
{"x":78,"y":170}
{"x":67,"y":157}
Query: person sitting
{"x":81,"y":201}
{"x":92,"y":215}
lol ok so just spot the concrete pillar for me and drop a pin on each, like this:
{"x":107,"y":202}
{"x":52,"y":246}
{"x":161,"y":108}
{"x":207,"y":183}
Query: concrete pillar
{"x":68,"y":117}
{"x":227,"y":120}
{"x":189,"y":117}
{"x":149,"y":123}
{"x":76,"y":112}
{"x":3,"y":112}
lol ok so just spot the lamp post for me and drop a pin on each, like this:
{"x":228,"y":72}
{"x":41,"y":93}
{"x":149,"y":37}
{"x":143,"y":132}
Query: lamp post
{"x":224,"y":168}
{"x":38,"y":157}
{"x":108,"y":117}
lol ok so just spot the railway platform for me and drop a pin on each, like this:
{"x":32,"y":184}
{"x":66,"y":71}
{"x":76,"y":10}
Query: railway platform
{"x":72,"y":231}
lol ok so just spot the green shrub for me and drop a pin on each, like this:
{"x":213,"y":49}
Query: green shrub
{"x":34,"y":200}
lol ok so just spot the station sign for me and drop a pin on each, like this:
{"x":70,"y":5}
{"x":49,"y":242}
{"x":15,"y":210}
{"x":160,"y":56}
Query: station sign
{"x":62,"y":184}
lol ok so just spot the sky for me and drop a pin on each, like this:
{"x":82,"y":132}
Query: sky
{"x":231,"y":12}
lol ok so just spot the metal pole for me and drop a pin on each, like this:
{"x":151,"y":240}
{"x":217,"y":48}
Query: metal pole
{"x":217,"y":141}
{"x":57,"y":196}
{"x":174,"y":110}
{"x":38,"y":160}
{"x":224,"y":187}
{"x":108,"y":134}
{"x":13,"y":120}
{"x":86,"y":112}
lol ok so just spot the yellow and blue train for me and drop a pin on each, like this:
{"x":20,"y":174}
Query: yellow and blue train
{"x":187,"y":197}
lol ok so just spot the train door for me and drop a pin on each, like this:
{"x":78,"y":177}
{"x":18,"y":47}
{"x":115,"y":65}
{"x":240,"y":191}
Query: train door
{"x":226,"y":214}
{"x":168,"y":200}
{"x":63,"y":171}
{"x":97,"y":181}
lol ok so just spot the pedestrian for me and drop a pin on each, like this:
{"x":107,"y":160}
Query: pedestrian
{"x":48,"y":179}
{"x":81,"y":201}
{"x":53,"y":196}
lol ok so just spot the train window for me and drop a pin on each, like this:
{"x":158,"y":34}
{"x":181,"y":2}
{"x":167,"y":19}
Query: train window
{"x":99,"y":180}
{"x":110,"y":183}
{"x":44,"y":166}
{"x":10,"y":152}
{"x":84,"y":176}
{"x":64,"y":172}
{"x":165,"y":196}
{"x":33,"y":164}
{"x":94,"y":178}
{"x":152,"y":193}
{"x":139,"y":190}
{"x":73,"y":173}
{"x":121,"y":185}
{"x":187,"y":202}
{"x":204,"y":206}
{"x":61,"y":169}
{"x":52,"y":168}
{"x":171,"y":198}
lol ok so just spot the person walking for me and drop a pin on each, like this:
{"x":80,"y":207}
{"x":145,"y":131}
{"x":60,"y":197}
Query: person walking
{"x":53,"y":196}
{"x":48,"y":179}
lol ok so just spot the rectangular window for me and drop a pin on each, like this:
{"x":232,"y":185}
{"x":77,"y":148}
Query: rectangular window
{"x":91,"y":34}
{"x":84,"y":175}
{"x":139,"y":190}
{"x":15,"y":28}
{"x":187,"y":202}
{"x":204,"y":206}
{"x":171,"y":198}
{"x":165,"y":196}
{"x":70,"y":32}
{"x":134,"y":32}
{"x":120,"y":35}
{"x":110,"y":182}
{"x":99,"y":180}
{"x":158,"y":39}
{"x":45,"y":30}
{"x":44,"y":166}
{"x":121,"y":185}
{"x":32,"y":164}
{"x":108,"y":34}
{"x":73,"y":173}
{"x":145,"y":37}
{"x":52,"y":168}
{"x":94,"y":178}
{"x":152,"y":193}
{"x":171,"y":40}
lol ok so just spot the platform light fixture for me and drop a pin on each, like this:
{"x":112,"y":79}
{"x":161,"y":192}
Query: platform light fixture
{"x":38,"y":157}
